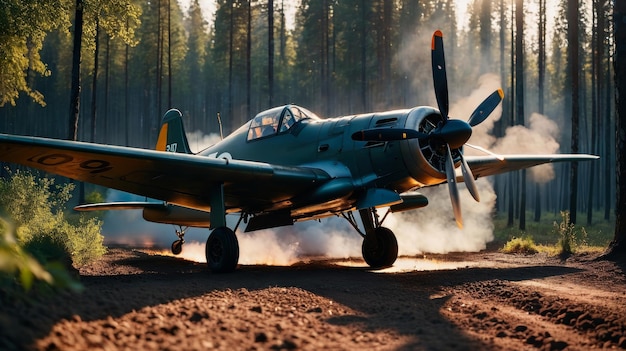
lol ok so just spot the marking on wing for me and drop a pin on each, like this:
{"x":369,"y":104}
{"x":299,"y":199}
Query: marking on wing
{"x":50,"y":160}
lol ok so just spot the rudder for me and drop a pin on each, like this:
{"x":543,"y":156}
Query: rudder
{"x":172,"y":137}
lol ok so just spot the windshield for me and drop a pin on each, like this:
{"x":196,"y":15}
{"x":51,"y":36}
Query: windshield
{"x":277,"y":120}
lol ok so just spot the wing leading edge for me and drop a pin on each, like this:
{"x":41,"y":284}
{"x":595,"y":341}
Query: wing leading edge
{"x":483,"y":166}
{"x":173,"y":177}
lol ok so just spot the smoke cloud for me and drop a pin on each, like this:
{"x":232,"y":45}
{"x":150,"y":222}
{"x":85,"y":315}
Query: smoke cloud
{"x":538,"y":138}
{"x":199,"y":141}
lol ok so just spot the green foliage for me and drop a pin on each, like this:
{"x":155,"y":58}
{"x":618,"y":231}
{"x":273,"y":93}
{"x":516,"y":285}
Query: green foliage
{"x":36,"y":207}
{"x":15,"y":261}
{"x":521,"y":245}
{"x":598,"y":234}
{"x":17,"y":264}
{"x":569,"y":237}
{"x":556,"y":235}
{"x":23,"y":27}
{"x":94,"y":197}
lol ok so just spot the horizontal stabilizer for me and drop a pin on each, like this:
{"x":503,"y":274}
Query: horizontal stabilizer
{"x":133,"y":205}
{"x":157,"y":212}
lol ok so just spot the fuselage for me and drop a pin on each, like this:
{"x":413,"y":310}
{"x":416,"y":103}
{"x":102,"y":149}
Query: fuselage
{"x":292,"y":136}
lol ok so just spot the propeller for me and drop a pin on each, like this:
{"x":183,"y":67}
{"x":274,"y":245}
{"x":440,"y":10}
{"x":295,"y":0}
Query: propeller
{"x":450,"y":134}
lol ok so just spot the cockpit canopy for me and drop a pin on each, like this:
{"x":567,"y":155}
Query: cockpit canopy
{"x":277,"y":120}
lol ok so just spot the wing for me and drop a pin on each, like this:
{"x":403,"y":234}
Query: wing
{"x":483,"y":166}
{"x":173,"y":177}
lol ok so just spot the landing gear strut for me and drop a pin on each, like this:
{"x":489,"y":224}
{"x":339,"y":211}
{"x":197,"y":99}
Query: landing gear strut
{"x":177,"y":246}
{"x":380,"y":247}
{"x":222,"y":248}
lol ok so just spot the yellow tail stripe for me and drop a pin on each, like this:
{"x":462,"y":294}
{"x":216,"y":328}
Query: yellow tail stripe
{"x":162,"y":140}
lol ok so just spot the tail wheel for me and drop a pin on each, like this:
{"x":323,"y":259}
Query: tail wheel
{"x":222,"y":250}
{"x":380,"y":248}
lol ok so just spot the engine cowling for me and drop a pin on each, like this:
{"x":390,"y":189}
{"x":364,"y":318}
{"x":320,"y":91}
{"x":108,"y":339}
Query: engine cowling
{"x":425,"y":158}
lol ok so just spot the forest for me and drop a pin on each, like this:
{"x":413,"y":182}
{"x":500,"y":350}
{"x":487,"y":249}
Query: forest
{"x":107,"y":70}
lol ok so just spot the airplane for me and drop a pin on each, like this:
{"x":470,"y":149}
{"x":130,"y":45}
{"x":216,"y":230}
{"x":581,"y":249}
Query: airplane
{"x":286,"y":165}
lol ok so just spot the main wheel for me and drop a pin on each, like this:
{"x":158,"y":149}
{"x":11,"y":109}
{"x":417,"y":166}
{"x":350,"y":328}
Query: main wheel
{"x":222,"y":250}
{"x":380,"y":248}
{"x":177,"y":247}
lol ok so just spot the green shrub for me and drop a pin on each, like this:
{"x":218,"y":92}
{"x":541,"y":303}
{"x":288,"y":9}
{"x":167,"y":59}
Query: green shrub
{"x":521,"y":245}
{"x":85,"y":242}
{"x":94,"y":197}
{"x":36,"y":207}
{"x":17,"y":265}
{"x":569,"y":237}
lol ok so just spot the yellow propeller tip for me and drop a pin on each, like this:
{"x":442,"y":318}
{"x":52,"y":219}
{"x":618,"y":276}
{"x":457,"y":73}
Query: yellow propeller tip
{"x":501,"y":93}
{"x":432,"y":42}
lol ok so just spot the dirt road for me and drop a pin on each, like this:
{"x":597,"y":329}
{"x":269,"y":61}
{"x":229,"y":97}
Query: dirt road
{"x":482,"y":301}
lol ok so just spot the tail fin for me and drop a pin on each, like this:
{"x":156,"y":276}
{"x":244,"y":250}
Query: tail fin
{"x":172,"y":137}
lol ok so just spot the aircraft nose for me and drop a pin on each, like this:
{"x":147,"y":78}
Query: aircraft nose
{"x":455,"y":133}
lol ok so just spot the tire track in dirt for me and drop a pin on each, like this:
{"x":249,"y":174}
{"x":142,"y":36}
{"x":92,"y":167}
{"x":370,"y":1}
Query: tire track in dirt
{"x":535,"y":317}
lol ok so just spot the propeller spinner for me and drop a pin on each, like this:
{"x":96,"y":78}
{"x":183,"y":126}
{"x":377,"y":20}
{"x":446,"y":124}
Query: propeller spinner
{"x":450,"y":134}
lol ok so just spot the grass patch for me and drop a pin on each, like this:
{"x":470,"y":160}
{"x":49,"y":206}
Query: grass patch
{"x":523,"y":245}
{"x":553,"y":233}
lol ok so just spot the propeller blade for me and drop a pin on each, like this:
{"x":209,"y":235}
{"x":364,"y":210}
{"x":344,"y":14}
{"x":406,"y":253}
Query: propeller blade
{"x":439,"y":74}
{"x":454,"y":191}
{"x":468,"y":178}
{"x":485,"y":108}
{"x":387,"y":134}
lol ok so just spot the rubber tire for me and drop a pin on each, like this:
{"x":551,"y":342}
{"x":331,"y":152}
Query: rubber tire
{"x":177,"y":247}
{"x":380,"y":248}
{"x":222,"y":250}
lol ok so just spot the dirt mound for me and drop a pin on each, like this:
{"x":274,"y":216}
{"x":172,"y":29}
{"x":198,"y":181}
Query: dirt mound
{"x":137,"y":300}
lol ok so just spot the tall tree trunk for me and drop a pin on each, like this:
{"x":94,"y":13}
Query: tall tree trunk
{"x":249,"y":61}
{"x":512,"y":176}
{"x":608,"y":198}
{"x":94,"y":83}
{"x":169,"y":55}
{"x":595,"y":108}
{"x":107,"y":74}
{"x":324,"y":43}
{"x":127,"y":92}
{"x":573,"y":60}
{"x":231,"y":32}
{"x":519,"y":96}
{"x":76,"y":59}
{"x":159,"y":63}
{"x":485,"y":36}
{"x":270,"y":51}
{"x":363,"y":46}
{"x":541,"y":63}
{"x":617,"y":247}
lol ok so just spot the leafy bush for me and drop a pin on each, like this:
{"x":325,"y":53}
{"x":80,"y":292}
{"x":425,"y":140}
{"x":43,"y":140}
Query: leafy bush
{"x":36,"y":206}
{"x":569,"y":237}
{"x":16,"y":262}
{"x":522,"y":245}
